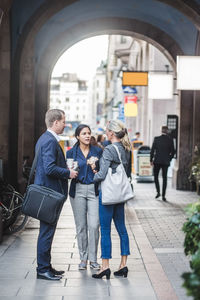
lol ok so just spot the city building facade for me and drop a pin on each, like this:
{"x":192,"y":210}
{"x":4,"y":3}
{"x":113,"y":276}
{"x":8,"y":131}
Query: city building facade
{"x":130,"y":54}
{"x":69,"y":93}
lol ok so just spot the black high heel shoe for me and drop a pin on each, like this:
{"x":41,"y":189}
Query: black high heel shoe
{"x":103,"y":273}
{"x":122,"y":272}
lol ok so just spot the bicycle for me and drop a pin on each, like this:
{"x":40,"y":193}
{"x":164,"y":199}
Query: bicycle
{"x":26,"y":168}
{"x":11,"y":202}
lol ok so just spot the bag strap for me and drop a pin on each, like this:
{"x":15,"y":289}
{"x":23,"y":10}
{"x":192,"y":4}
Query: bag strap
{"x":119,"y":155}
{"x":33,"y":165}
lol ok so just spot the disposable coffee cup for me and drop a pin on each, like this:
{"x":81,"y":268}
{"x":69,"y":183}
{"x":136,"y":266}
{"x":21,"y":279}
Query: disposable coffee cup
{"x":70,"y":163}
{"x":75,"y":166}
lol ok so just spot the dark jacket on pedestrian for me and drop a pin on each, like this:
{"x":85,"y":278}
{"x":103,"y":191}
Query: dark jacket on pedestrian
{"x":51,"y":170}
{"x":162,"y":150}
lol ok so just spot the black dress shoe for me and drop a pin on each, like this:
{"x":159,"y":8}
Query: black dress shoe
{"x":157,"y":196}
{"x":164,"y":199}
{"x":55,"y":272}
{"x":122,"y":272}
{"x":48,"y":276}
{"x":103,"y":273}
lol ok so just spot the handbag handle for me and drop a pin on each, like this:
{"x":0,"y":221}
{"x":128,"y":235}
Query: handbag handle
{"x":119,"y":155}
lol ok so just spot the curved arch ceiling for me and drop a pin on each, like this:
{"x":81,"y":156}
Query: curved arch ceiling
{"x":166,"y":18}
{"x":108,"y":26}
{"x":158,"y":14}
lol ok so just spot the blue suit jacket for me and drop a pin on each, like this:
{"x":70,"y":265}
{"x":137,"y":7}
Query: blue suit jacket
{"x":51,"y":168}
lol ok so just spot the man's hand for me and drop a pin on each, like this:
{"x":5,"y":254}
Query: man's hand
{"x":151,"y":163}
{"x":73,"y":174}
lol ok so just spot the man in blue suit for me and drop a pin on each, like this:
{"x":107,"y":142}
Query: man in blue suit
{"x":51,"y":172}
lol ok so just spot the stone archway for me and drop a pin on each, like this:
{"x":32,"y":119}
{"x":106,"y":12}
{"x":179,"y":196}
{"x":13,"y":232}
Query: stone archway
{"x":30,"y":84}
{"x":34,"y":84}
{"x":105,"y":26}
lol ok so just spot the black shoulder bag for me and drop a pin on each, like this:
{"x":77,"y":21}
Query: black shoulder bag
{"x":40,"y":202}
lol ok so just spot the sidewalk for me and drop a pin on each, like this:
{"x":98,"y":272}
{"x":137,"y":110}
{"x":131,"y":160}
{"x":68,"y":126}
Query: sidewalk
{"x":155,"y":264}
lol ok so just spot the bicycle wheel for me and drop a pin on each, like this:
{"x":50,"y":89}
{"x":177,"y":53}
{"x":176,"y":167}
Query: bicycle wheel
{"x":13,"y":219}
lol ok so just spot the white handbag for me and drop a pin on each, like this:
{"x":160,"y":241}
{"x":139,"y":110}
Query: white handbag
{"x":116,"y":187}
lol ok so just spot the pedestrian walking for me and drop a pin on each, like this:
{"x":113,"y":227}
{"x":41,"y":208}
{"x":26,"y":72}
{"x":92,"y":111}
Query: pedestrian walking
{"x":162,"y":152}
{"x":117,"y":135}
{"x":51,"y":172}
{"x":84,"y":197}
{"x":100,"y":140}
{"x":136,"y":137}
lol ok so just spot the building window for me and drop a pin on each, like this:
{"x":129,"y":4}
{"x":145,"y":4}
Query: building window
{"x":67,"y":99}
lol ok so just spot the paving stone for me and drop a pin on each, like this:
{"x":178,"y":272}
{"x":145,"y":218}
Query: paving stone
{"x":33,"y":298}
{"x":6,"y":291}
{"x":158,"y":230}
{"x":64,"y":291}
{"x":134,"y":291}
{"x":162,"y":224}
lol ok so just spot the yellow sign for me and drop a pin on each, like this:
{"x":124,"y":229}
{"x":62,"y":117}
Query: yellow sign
{"x":135,"y":78}
{"x":130,"y":109}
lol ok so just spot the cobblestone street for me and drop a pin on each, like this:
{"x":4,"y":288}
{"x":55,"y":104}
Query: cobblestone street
{"x":155,"y":264}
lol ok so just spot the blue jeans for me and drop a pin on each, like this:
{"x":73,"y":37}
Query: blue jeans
{"x":106,"y":214}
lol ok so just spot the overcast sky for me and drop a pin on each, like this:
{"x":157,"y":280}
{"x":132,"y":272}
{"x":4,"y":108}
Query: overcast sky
{"x":83,"y":58}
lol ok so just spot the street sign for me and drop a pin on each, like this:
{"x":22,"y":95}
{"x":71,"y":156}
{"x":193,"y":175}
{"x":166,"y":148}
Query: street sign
{"x":121,"y":113}
{"x":130,"y":109}
{"x":129,"y":90}
{"x":135,"y":78}
{"x":130,"y":99}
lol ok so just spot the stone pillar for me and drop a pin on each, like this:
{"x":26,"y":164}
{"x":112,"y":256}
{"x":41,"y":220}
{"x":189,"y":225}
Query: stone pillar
{"x":26,"y":111}
{"x":5,"y":90}
{"x":22,"y":110}
{"x":196,"y":118}
{"x":185,"y":142}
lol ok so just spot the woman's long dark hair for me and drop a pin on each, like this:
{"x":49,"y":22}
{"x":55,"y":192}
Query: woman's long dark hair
{"x":78,"y":131}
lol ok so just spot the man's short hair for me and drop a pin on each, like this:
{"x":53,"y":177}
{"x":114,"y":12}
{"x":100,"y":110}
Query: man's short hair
{"x":53,"y":115}
{"x":164,"y":129}
{"x":137,"y":133}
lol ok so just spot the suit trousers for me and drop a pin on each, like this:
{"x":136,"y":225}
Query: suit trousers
{"x":44,"y":243}
{"x":106,"y":214}
{"x":85,"y":208}
{"x":157,"y":168}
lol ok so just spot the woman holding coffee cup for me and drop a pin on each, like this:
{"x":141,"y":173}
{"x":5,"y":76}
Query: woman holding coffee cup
{"x":84,"y":196}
